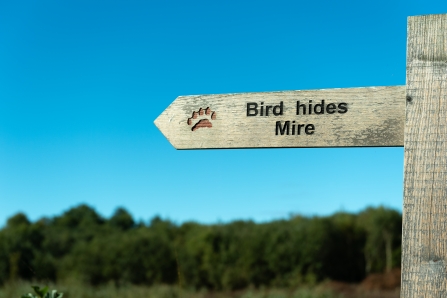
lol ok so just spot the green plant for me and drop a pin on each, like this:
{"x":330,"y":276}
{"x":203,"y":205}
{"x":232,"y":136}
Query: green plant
{"x":43,"y":293}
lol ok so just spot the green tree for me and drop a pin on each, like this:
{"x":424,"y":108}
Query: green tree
{"x":383,"y":228}
{"x":19,"y":242}
{"x":122,"y":219}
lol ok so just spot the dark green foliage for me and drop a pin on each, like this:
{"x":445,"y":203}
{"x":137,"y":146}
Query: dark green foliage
{"x":17,"y":220}
{"x":20,"y":241}
{"x":81,"y":244}
{"x":383,"y":228}
{"x":122,"y":219}
{"x":43,"y":293}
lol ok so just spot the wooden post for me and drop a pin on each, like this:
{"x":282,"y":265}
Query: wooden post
{"x":424,"y":245}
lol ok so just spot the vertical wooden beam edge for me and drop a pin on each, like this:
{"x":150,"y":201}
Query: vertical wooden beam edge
{"x":424,"y":237}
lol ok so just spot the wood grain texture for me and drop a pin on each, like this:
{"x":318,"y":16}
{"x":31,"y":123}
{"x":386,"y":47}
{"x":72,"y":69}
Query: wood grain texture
{"x":424,"y":245}
{"x":375,"y":117}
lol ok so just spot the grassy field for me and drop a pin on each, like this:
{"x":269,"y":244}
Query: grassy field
{"x":73,"y":289}
{"x":78,"y":290}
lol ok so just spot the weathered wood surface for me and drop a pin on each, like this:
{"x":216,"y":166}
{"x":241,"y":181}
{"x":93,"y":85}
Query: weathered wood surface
{"x":424,"y":247}
{"x":374,"y":116}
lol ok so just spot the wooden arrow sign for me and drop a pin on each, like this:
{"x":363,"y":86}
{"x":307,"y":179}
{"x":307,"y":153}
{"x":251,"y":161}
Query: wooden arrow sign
{"x":350,"y":117}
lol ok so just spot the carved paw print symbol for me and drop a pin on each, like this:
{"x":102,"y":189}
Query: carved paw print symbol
{"x":202,"y":119}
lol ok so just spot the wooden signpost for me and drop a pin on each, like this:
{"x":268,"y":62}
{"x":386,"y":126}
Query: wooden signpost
{"x":314,"y":118}
{"x":413,"y":116}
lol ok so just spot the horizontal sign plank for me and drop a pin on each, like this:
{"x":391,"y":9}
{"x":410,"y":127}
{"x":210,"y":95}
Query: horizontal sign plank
{"x":351,"y":117}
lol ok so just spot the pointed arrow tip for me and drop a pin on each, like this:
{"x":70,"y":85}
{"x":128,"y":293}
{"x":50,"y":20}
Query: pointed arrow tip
{"x":158,"y":122}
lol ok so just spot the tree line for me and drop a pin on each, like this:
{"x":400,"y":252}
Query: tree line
{"x":81,"y":244}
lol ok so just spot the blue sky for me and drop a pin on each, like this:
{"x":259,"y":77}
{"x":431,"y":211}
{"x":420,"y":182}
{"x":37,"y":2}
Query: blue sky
{"x":81,"y":83}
